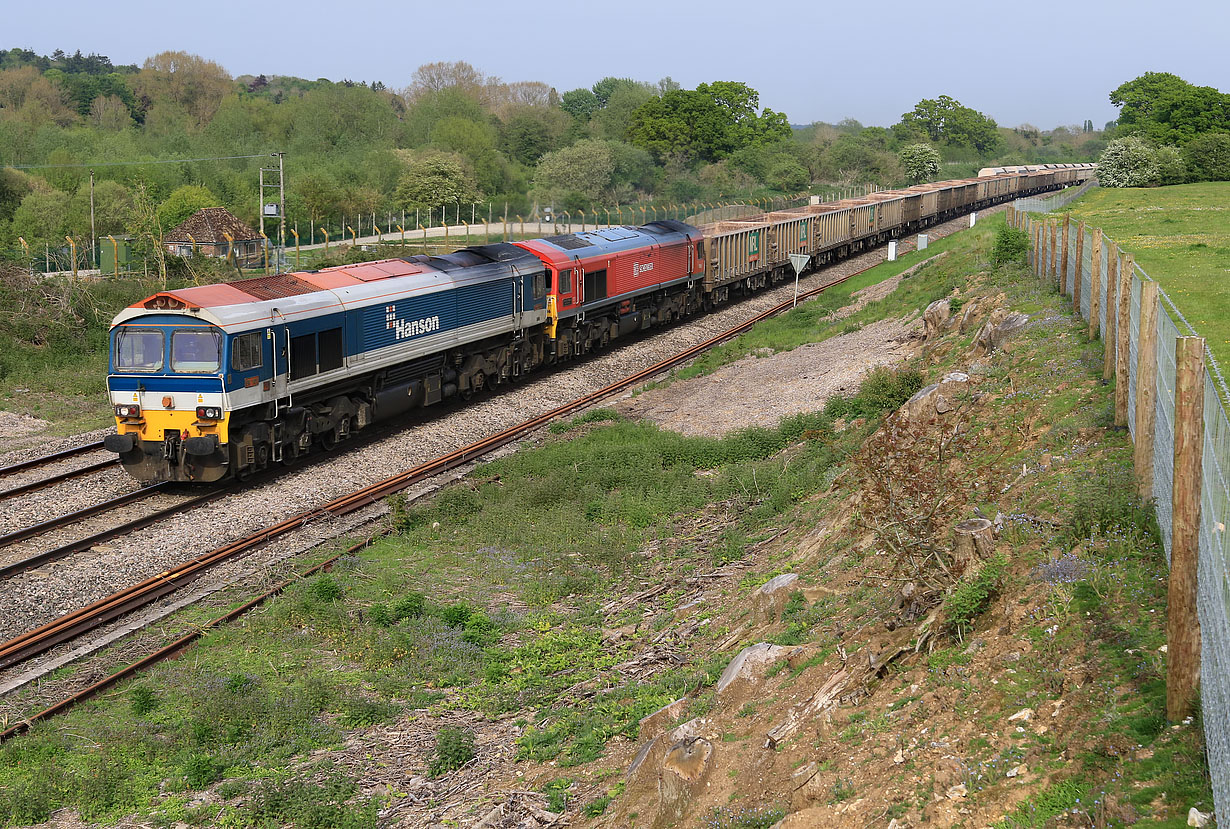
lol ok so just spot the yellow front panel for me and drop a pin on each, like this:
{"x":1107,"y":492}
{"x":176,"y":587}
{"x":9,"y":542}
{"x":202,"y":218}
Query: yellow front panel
{"x":157,"y":422}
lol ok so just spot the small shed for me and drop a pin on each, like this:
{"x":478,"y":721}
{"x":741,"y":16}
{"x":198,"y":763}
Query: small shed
{"x":205,"y":232}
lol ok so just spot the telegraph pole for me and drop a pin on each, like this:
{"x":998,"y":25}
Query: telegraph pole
{"x":93,"y":235}
{"x":270,"y":209}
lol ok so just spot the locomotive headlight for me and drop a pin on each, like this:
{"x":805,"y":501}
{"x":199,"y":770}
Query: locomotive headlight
{"x":128,"y":410}
{"x":208,"y":413}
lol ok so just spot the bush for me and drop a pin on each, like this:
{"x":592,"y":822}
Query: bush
{"x":1208,"y":157}
{"x":325,"y":589}
{"x":1171,"y":165}
{"x":456,"y":615}
{"x":973,"y":595}
{"x":410,"y":606}
{"x":883,"y":390}
{"x":143,"y":700}
{"x":454,"y":748}
{"x":1127,"y":162}
{"x":200,"y":771}
{"x":1010,"y":246}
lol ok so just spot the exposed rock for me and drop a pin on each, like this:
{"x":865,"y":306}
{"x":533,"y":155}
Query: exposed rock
{"x":935,"y":399}
{"x":1195,"y":817}
{"x":654,"y":724}
{"x":769,"y":601}
{"x":1017,"y":770}
{"x":1024,"y":714}
{"x":957,"y":792}
{"x":750,"y":664}
{"x":1000,"y":327}
{"x":936,"y":318}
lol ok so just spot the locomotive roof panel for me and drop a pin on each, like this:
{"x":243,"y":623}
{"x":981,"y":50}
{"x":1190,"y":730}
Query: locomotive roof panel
{"x":562,"y":250}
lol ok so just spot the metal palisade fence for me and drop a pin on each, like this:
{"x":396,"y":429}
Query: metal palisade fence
{"x":1151,"y":350}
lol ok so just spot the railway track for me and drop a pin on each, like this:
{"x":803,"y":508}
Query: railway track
{"x":77,"y":623}
{"x":23,"y":487}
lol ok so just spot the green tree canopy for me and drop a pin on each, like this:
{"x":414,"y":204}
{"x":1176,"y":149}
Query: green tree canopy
{"x":432,"y":179}
{"x":182,"y":203}
{"x":1208,"y":157}
{"x":1167,"y":109}
{"x":705,"y":124}
{"x":921,"y":162}
{"x":587,"y":168}
{"x":42,"y":218}
{"x":944,"y":119}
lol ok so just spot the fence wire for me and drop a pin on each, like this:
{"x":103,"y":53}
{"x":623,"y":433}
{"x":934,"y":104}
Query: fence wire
{"x":1213,"y":599}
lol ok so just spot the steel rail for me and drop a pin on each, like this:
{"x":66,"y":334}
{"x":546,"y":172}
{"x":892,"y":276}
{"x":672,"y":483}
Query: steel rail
{"x":78,"y":515}
{"x":21,"y":489}
{"x":104,"y":610}
{"x":54,"y":456}
{"x":38,"y":559}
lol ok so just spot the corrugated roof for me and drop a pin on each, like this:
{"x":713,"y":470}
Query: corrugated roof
{"x":207,"y":226}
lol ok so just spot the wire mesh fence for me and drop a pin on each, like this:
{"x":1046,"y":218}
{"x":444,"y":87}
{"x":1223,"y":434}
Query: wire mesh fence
{"x":1213,"y":598}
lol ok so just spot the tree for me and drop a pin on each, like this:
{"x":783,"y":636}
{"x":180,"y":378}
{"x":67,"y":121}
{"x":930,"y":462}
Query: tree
{"x":531,"y":131}
{"x":42,"y":218}
{"x":921,"y":162}
{"x":188,"y":81}
{"x":1208,"y":157}
{"x":587,"y":168}
{"x":1127,"y":162}
{"x":580,"y":103}
{"x":1171,"y":165}
{"x":433,"y":179}
{"x":944,"y":119}
{"x":436,"y":77}
{"x":1167,"y":109}
{"x":705,"y":124}
{"x":318,"y":192}
{"x":182,"y":203}
{"x":109,"y":112}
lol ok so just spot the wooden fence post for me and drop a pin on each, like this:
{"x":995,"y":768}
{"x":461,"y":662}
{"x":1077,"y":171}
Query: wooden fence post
{"x":1146,"y":389}
{"x":1078,"y":268}
{"x":1122,"y":349}
{"x":1037,"y":230}
{"x":1112,"y":313}
{"x":1063,"y":254}
{"x":1182,"y":622}
{"x":1095,"y":283}
{"x":1054,"y":260}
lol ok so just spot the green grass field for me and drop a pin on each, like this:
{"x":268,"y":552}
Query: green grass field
{"x":1180,"y":236}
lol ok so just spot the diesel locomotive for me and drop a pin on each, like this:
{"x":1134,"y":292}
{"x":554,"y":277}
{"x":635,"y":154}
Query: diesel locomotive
{"x":221,"y":381}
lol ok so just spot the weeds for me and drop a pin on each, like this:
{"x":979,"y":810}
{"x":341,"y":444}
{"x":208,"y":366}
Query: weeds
{"x":454,"y":748}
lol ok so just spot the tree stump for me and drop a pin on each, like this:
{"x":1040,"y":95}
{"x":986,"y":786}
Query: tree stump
{"x":975,"y":540}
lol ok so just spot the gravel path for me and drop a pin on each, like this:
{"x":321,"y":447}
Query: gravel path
{"x":35,"y":598}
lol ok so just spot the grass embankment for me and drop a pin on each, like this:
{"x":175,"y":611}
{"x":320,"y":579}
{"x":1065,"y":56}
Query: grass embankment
{"x":1180,"y":236}
{"x":479,"y":627}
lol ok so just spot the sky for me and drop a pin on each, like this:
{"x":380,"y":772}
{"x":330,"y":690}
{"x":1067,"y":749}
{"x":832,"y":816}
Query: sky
{"x":1042,"y":62}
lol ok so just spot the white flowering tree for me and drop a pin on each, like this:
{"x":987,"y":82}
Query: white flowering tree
{"x":1128,"y":162}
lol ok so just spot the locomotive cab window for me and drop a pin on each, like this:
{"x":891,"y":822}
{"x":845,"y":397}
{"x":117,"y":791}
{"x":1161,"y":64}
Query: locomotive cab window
{"x":196,"y":352}
{"x":540,"y":285}
{"x":246,"y":351}
{"x":565,"y":281}
{"x":138,"y":349}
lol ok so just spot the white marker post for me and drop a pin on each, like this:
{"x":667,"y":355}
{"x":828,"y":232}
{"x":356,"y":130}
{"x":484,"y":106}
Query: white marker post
{"x":800,"y":262}
{"x":973,"y":218}
{"x":922,"y":241}
{"x":892,"y":251}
